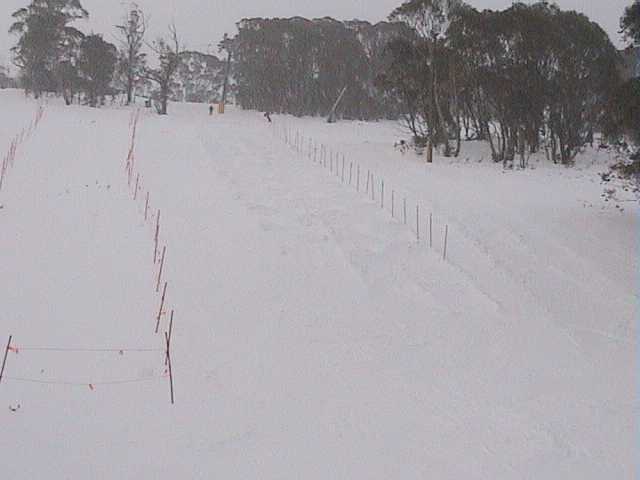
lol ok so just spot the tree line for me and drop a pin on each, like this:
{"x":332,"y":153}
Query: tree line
{"x":525,"y":79}
{"x":301,"y":66}
{"x":55,"y":56}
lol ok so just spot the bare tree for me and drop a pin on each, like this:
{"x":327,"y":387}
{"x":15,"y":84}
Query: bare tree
{"x":169,"y":53}
{"x":132,"y":60}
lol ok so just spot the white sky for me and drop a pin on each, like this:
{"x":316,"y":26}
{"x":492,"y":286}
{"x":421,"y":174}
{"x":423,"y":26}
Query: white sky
{"x":201,"y":23}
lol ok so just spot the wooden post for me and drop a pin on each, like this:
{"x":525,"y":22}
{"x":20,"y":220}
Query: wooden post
{"x":404,"y":209}
{"x":393,"y":203}
{"x":166,"y":359}
{"x":135,"y":193}
{"x":342,"y":178}
{"x":164,"y":251}
{"x":367,"y":189}
{"x":155,"y":250}
{"x":431,"y":230}
{"x":418,"y":222}
{"x":446,"y":235}
{"x":168,"y":342}
{"x":373,"y":189}
{"x":4,"y":360}
{"x":350,"y":172}
{"x":146,"y":207}
{"x":164,"y":293}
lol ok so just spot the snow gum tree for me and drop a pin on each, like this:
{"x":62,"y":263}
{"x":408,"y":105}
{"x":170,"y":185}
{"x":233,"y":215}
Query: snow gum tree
{"x":131,"y":59}
{"x":45,"y":36}
{"x":430,"y":19}
{"x":169,"y":52}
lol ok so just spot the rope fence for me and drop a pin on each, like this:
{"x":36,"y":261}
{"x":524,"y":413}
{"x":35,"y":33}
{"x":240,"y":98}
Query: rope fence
{"x":375,"y":188}
{"x":8,"y":161}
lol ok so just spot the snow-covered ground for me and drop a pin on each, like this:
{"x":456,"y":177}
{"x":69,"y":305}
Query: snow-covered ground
{"x":314,"y":335}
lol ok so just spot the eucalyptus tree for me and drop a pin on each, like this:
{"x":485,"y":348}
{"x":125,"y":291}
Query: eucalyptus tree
{"x":430,"y":19}
{"x":132,"y":59}
{"x":96,"y":67}
{"x":169,"y":52}
{"x":45,"y":38}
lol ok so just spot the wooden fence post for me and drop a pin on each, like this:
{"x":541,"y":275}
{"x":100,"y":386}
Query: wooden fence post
{"x":168,"y":343}
{"x":164,"y":251}
{"x":418,"y":222}
{"x":164,"y":293}
{"x":155,"y":250}
{"x":431,"y":230}
{"x":393,"y":203}
{"x":446,"y":235}
{"x":404,"y":209}
{"x":4,"y":360}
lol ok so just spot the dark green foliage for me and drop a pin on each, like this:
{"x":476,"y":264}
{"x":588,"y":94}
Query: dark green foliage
{"x":300,"y":66}
{"x":528,"y":77}
{"x":630,"y":22}
{"x":201,"y":77}
{"x":45,"y":40}
{"x":96,"y":66}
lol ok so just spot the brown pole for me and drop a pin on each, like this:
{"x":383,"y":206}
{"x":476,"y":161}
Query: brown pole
{"x":166,"y":360}
{"x":4,"y":360}
{"x":167,"y":340}
{"x":155,"y":249}
{"x":164,"y":293}
{"x":446,"y":235}
{"x":164,"y":251}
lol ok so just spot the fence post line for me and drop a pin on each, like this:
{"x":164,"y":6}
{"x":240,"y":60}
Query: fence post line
{"x":350,"y":172}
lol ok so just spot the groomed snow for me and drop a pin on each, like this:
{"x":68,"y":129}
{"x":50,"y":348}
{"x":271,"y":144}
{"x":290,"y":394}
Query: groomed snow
{"x":314,"y":336}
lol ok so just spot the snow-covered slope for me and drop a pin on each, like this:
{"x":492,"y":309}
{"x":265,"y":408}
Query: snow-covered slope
{"x":314,"y":336}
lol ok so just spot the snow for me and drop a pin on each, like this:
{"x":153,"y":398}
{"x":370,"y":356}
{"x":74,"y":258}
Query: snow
{"x":314,"y":337}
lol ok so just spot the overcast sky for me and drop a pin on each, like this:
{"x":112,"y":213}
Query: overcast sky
{"x":201,"y":23}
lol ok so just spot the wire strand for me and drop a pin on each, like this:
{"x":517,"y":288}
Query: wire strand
{"x":86,"y":350}
{"x":82,"y":384}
